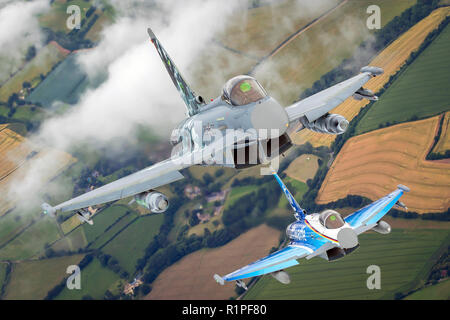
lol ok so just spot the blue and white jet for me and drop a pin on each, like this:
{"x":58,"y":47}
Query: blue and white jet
{"x":326,"y":235}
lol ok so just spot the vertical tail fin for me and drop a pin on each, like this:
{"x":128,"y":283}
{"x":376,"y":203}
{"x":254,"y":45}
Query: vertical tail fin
{"x":299,"y":212}
{"x":190,"y":99}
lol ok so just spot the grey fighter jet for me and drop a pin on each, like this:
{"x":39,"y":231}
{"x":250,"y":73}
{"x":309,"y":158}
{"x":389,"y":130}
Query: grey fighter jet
{"x":242,"y":127}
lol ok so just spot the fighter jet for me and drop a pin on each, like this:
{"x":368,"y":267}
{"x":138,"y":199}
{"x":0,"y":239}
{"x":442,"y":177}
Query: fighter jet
{"x":326,"y":235}
{"x":242,"y":127}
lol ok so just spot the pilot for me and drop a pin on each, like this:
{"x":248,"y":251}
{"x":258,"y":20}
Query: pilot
{"x":242,"y":90}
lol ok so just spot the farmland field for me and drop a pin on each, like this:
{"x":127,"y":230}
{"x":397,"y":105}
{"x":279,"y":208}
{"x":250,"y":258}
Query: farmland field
{"x":103,"y":220}
{"x":57,"y":16}
{"x":390,"y":59}
{"x":422,"y":90}
{"x":192,"y":277}
{"x":298,"y":190}
{"x":130,"y":244}
{"x":254,"y":31}
{"x":294,"y":69}
{"x":115,"y":228}
{"x":60,"y":161}
{"x":45,"y":59}
{"x":95,"y":281}
{"x":71,"y":242}
{"x":13,"y":150}
{"x":303,"y":167}
{"x":64,"y":84}
{"x":31,"y":241}
{"x":33,"y":279}
{"x":3,"y":267}
{"x":346,"y":278}
{"x":444,"y":140}
{"x":372,"y":165}
{"x":440,"y":291}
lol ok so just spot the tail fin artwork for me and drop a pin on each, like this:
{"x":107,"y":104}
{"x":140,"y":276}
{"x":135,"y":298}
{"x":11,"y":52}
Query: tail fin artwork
{"x":192,"y":101}
{"x":299,"y":212}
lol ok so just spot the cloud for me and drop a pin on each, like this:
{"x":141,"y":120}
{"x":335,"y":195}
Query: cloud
{"x":19,"y":28}
{"x":137,"y":90}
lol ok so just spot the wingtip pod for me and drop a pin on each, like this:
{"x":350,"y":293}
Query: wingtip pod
{"x":219,"y":279}
{"x":374,"y":71}
{"x":48,"y":210}
{"x":404,"y":188}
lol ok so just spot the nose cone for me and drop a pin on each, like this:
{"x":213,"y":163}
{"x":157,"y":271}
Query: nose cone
{"x":269,"y":114}
{"x":347,"y":238}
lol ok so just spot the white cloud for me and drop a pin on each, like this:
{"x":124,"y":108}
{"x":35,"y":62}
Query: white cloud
{"x":19,"y":28}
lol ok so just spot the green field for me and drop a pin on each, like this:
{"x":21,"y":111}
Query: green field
{"x":2,"y":274}
{"x":113,"y":231}
{"x":440,"y":291}
{"x":237,"y":192}
{"x":422,"y":90}
{"x":33,"y":279}
{"x":95,"y":280}
{"x":32,"y":241}
{"x":12,"y":224}
{"x":56,"y":17}
{"x":42,"y":63}
{"x":103,"y":220}
{"x":65,"y":83}
{"x":298,"y":190}
{"x":130,"y":244}
{"x":404,"y":256}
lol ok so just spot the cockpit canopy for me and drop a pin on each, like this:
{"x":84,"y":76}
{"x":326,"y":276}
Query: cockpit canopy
{"x":242,"y":90}
{"x":331,"y":219}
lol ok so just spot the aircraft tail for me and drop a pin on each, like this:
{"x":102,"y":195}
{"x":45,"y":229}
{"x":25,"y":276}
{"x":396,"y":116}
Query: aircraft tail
{"x":192,"y":101}
{"x":299,"y":212}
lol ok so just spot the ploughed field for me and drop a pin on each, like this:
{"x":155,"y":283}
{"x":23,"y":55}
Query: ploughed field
{"x":372,"y":164}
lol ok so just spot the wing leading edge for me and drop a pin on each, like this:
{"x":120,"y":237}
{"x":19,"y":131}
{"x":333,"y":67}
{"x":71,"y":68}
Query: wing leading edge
{"x":284,"y":258}
{"x":366,"y":218}
{"x":321,"y":103}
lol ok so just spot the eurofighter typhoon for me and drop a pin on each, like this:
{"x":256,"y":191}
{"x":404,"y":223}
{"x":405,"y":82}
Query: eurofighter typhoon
{"x":326,"y":235}
{"x":243,"y":127}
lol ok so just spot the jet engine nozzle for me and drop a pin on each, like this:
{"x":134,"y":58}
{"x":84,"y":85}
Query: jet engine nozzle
{"x":281,"y":276}
{"x":347,"y":238}
{"x":155,"y":201}
{"x":382,"y":227}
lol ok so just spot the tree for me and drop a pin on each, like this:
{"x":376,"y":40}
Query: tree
{"x":31,"y":53}
{"x":207,"y":178}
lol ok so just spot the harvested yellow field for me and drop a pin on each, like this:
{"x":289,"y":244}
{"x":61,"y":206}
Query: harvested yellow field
{"x":17,"y":161}
{"x":303,"y":167}
{"x":444,"y":140}
{"x":12,"y":150}
{"x":374,"y":163}
{"x":390,"y":59}
{"x":191,"y":278}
